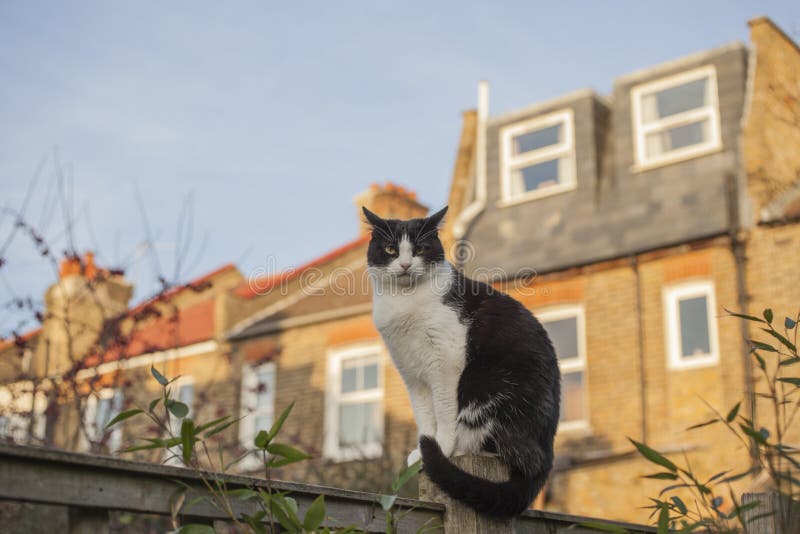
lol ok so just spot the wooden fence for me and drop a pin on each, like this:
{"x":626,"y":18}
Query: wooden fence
{"x":93,"y":486}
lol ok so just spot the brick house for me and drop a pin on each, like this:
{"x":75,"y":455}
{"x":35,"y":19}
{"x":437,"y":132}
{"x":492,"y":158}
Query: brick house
{"x":627,"y":223}
{"x":642,"y":215}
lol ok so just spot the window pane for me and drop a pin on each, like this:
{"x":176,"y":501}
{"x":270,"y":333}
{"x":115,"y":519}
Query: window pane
{"x":537,"y":139}
{"x":538,"y":176}
{"x":679,"y":137}
{"x":358,"y":424}
{"x":695,"y":339}
{"x":564,"y":335}
{"x":264,"y":389}
{"x":186,"y":396}
{"x":572,"y":397}
{"x":349,"y":379}
{"x":675,"y":100}
{"x":371,"y":376}
{"x":102,"y":415}
{"x":262,"y":422}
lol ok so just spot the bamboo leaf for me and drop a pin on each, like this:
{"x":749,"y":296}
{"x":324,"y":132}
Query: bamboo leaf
{"x":662,"y":476}
{"x":219,"y":428}
{"x":744,"y":316}
{"x":387,"y":501}
{"x":177,"y":408}
{"x":158,"y":376}
{"x":701,"y":425}
{"x":654,"y":456}
{"x":127,"y":414}
{"x":315,"y":514}
{"x":206,"y":426}
{"x":768,"y":315}
{"x":789,"y":323}
{"x":679,"y":504}
{"x":261,"y":440}
{"x":780,"y":337}
{"x":406,"y":475}
{"x":733,"y":413}
{"x":276,"y":426}
{"x":187,"y":440}
{"x":604,"y":527}
{"x":763,"y":346}
{"x":790,"y":380}
{"x":153,"y":404}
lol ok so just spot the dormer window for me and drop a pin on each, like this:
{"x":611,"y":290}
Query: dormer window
{"x":676,"y":118}
{"x":538,"y":157}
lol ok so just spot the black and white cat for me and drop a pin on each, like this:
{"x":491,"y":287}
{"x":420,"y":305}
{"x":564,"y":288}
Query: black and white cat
{"x":480,"y":370}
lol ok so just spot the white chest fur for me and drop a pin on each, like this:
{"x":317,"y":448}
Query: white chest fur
{"x":424,"y":336}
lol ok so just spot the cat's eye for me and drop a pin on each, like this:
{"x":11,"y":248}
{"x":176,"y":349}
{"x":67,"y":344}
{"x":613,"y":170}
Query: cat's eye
{"x":390,"y":250}
{"x":419,"y":249}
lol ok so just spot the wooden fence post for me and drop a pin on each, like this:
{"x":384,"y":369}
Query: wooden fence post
{"x":776,"y":511}
{"x":458,"y":517}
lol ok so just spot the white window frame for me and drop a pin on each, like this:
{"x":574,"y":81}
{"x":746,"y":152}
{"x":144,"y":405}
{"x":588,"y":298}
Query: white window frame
{"x":710,"y":112}
{"x":510,"y":162}
{"x":578,"y":364}
{"x":675,"y":293}
{"x":114,"y":440}
{"x":334,"y":396}
{"x":249,"y":410}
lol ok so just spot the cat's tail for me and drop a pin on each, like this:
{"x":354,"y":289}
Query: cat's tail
{"x":495,"y":499}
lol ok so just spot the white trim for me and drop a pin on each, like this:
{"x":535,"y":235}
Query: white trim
{"x":708,"y":112}
{"x":474,"y":209}
{"x":248,"y":409}
{"x":671,"y":296}
{"x":16,"y":404}
{"x":334,"y":398}
{"x":565,"y":149}
{"x":150,"y":358}
{"x":567,"y":311}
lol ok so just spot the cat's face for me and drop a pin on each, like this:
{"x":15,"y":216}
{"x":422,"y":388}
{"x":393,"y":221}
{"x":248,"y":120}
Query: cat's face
{"x":405,"y":251}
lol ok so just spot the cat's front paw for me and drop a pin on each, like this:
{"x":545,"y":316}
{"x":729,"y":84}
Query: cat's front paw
{"x":414,"y":457}
{"x":447,"y":444}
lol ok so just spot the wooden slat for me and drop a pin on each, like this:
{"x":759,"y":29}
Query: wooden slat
{"x":76,"y":480}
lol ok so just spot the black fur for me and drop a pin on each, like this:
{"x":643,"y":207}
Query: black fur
{"x":509,"y":359}
{"x":423,"y":233}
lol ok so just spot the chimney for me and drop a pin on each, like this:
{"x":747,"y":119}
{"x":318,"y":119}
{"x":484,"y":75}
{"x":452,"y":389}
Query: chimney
{"x":389,"y":201}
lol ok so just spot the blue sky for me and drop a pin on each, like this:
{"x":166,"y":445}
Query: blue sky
{"x":271,"y":116}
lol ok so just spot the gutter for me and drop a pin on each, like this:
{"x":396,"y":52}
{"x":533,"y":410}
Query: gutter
{"x":468,"y":214}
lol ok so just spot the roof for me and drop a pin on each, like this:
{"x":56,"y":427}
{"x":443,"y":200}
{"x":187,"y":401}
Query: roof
{"x":264,"y":284}
{"x":192,"y":324}
{"x":344,"y":288}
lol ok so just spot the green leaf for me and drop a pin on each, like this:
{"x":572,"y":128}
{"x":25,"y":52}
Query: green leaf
{"x":177,"y":408}
{"x":750,"y":431}
{"x":282,"y":511}
{"x":242,"y":494}
{"x":654,"y":456}
{"x":387,"y":501}
{"x":219,"y":428}
{"x":679,"y":504}
{"x":153,"y":404}
{"x":406,"y":474}
{"x":701,"y":425}
{"x":158,"y":376}
{"x":288,"y":454}
{"x":662,"y":476}
{"x":780,"y":337}
{"x":187,"y":440}
{"x":261,"y":440}
{"x":733,"y":413}
{"x":761,"y":363}
{"x":315,"y":514}
{"x":789,"y":323}
{"x":744,"y":316}
{"x":768,"y":315}
{"x":763,"y":346}
{"x":790,"y":380}
{"x":276,"y":426}
{"x":663,"y":521}
{"x":206,"y":426}
{"x":195,"y":528}
{"x":127,"y":414}
{"x":287,"y":451}
{"x":155,"y":443}
{"x":604,"y":527}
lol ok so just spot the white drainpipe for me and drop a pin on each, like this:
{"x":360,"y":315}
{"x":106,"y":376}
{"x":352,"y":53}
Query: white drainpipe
{"x":476,"y":206}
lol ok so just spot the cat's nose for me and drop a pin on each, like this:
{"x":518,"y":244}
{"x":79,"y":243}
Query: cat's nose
{"x":405,"y":266}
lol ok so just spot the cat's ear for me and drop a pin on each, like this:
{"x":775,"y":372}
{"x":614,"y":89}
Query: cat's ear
{"x":435,"y":220}
{"x":372,"y":219}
